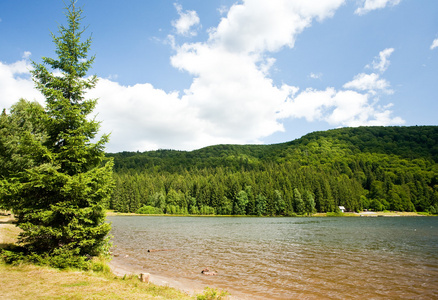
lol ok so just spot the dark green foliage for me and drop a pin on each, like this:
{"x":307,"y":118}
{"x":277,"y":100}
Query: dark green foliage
{"x":62,"y":183}
{"x":60,"y":258}
{"x":359,"y":168}
{"x":21,"y":136}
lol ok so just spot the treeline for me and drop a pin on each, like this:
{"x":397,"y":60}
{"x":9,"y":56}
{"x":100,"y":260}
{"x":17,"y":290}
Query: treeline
{"x":378,"y":168}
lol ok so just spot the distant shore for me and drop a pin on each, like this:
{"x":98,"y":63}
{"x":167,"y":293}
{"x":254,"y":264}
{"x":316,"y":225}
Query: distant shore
{"x":372,"y":214}
{"x":346,"y":214}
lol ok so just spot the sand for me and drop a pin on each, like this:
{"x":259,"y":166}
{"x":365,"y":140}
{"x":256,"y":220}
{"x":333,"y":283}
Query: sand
{"x":187,"y":286}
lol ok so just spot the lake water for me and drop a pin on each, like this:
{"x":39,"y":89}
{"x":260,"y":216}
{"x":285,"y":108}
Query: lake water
{"x":287,"y":258}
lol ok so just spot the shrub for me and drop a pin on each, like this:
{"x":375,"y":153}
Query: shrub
{"x":61,"y":258}
{"x":149,"y":210}
{"x":213,"y":294}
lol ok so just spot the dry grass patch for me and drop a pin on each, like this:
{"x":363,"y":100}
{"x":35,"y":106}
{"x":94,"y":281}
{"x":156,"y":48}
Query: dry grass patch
{"x":8,"y":231}
{"x":34,"y":282}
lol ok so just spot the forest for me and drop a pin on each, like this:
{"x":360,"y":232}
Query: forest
{"x":374,"y":168}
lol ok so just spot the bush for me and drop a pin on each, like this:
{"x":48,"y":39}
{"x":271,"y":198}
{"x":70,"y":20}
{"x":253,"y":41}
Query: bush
{"x":149,"y":210}
{"x":212,"y":294}
{"x":207,"y":210}
{"x":433,"y":209}
{"x":60,"y":259}
{"x":12,"y":257}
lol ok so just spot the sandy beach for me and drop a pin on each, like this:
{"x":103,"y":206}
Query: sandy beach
{"x":189,"y":287}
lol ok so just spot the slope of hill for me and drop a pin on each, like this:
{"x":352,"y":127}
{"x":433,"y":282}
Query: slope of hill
{"x":367,"y":167}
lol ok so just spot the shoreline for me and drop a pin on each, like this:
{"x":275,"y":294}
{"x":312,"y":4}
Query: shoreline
{"x":189,"y":287}
{"x":110,"y":213}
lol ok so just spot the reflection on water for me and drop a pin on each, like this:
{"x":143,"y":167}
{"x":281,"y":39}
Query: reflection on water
{"x":288,"y":258}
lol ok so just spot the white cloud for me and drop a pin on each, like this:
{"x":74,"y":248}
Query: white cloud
{"x":315,"y":75}
{"x":339,"y":108}
{"x":231,"y":98}
{"x":186,"y":21}
{"x":355,"y":109}
{"x":434,"y":44}
{"x":26,"y":54}
{"x":370,"y":5}
{"x":356,"y":105}
{"x":259,"y":25}
{"x":230,"y":92}
{"x":382,"y":62}
{"x":370,"y":83}
{"x":266,"y":65}
{"x":15,"y":83}
{"x":351,"y":109}
{"x":222,"y":10}
{"x":310,"y":104}
{"x":141,"y":117}
{"x":113,"y":77}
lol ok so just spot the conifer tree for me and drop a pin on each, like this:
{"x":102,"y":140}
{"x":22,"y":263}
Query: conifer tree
{"x":60,"y":201}
{"x":298,"y":202}
{"x":309,"y":202}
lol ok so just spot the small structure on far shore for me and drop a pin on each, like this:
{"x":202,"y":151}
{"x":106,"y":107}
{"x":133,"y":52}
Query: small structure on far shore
{"x":342,"y":209}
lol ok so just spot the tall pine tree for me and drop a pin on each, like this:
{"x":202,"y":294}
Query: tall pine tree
{"x":60,"y":200}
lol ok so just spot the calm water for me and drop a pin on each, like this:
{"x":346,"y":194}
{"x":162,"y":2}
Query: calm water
{"x":288,"y":258}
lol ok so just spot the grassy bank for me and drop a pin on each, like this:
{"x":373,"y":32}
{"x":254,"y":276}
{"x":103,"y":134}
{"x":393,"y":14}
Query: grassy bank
{"x":35,"y":282}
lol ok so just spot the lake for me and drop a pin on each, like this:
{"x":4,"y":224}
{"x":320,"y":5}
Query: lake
{"x":287,"y":258}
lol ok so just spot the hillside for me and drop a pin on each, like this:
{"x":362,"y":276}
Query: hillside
{"x":406,"y":142}
{"x":367,"y":167}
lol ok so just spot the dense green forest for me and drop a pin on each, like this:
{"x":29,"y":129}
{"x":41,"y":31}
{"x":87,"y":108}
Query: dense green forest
{"x":378,"y":168}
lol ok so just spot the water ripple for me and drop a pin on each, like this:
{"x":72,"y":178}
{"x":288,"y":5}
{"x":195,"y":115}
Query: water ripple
{"x":305,"y":258}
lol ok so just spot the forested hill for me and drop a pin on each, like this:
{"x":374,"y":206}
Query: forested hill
{"x":406,"y":142}
{"x":366,"y":167}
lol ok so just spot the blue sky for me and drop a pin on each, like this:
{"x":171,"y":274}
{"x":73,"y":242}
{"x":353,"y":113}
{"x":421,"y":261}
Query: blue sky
{"x":191,"y":73}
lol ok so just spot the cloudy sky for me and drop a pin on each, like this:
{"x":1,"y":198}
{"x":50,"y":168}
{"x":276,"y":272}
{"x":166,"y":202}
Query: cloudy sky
{"x":184,"y":74}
